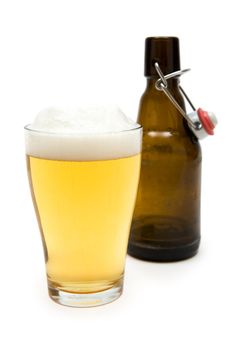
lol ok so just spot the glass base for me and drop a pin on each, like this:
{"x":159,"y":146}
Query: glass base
{"x":89,"y":299}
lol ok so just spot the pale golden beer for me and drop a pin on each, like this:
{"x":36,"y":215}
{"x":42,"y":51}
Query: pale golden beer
{"x":84,"y":210}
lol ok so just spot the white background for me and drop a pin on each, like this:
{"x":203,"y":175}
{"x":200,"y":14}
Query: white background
{"x":64,"y":52}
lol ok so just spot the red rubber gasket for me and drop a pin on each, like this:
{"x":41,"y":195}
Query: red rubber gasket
{"x":206,"y":121}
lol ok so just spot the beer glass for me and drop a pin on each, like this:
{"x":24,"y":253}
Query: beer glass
{"x":83,"y":188}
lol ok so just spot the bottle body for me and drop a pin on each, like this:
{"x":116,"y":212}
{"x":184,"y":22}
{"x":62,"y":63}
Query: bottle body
{"x":166,"y":221}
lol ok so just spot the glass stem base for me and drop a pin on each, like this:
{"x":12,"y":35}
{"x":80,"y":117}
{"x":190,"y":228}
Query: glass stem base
{"x":82,"y":299}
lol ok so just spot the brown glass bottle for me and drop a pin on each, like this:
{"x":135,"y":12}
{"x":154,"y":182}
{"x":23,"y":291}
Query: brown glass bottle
{"x":166,"y":221}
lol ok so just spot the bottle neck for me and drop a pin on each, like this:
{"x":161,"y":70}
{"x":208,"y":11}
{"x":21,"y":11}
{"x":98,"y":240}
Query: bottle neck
{"x":151,"y":81}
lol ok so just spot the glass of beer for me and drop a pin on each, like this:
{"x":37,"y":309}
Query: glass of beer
{"x":84,"y":186}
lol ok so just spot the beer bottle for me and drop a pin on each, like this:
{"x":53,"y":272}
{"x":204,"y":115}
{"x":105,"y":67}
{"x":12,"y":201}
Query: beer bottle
{"x":166,"y":221}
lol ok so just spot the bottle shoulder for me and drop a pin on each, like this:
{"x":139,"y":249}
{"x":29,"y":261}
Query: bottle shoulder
{"x":164,"y":128}
{"x":157,"y":111}
{"x":157,"y":114}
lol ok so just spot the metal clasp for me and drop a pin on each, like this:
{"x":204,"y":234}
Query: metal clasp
{"x":161,"y":85}
{"x":201,"y":122}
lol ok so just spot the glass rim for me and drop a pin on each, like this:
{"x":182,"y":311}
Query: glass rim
{"x":40,"y":132}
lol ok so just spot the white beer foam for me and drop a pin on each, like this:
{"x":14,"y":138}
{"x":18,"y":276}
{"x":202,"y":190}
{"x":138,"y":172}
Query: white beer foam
{"x":91,"y":133}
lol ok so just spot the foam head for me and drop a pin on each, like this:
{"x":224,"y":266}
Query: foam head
{"x":90,"y":133}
